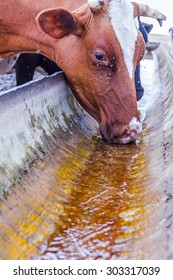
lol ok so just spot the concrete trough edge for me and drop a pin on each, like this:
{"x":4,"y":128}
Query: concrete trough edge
{"x":159,"y":121}
{"x":33,"y":118}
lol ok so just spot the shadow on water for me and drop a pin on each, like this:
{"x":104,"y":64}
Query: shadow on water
{"x":110,"y":207}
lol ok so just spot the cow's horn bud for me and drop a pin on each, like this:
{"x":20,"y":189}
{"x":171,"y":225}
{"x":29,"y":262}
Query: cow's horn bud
{"x":95,"y":4}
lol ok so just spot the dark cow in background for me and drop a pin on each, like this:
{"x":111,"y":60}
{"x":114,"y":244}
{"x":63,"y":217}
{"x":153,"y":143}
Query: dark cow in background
{"x":26,"y":65}
{"x":145,"y":29}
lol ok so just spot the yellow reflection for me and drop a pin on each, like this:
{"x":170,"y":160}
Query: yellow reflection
{"x":92,"y":202}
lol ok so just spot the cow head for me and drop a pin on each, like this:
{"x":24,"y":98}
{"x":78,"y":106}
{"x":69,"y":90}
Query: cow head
{"x":98,"y":47}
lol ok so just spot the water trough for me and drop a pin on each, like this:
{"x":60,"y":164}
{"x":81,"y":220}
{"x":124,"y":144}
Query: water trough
{"x":66,"y":194}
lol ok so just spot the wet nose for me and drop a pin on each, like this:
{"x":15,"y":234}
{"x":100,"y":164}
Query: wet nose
{"x":132,"y":132}
{"x":129,"y":134}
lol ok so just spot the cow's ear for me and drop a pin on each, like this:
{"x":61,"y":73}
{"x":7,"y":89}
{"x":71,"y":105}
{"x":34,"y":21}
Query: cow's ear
{"x":58,"y":23}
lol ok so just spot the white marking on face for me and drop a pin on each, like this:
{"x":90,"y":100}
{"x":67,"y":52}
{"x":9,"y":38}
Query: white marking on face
{"x":93,"y":4}
{"x":136,"y":125}
{"x":122,"y":19}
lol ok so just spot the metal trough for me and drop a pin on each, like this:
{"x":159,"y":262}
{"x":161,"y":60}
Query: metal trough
{"x":72,"y":196}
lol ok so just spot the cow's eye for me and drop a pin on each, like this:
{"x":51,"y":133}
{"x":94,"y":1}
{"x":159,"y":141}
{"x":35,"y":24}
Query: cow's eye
{"x":100,"y":56}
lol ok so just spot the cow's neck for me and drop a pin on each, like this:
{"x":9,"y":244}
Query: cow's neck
{"x":28,"y":37}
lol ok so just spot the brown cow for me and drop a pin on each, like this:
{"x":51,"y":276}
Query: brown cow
{"x":96,"y":44}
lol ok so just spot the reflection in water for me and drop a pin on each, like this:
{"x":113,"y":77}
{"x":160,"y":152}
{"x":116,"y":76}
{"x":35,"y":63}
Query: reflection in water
{"x":110,"y":207}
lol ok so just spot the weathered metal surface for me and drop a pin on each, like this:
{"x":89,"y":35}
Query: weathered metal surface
{"x":85,"y":199}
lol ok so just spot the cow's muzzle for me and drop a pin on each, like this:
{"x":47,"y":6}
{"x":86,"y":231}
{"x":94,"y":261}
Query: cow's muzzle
{"x":128,"y":134}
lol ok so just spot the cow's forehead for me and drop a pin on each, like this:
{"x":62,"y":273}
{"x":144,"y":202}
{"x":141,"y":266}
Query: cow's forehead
{"x":122,"y":20}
